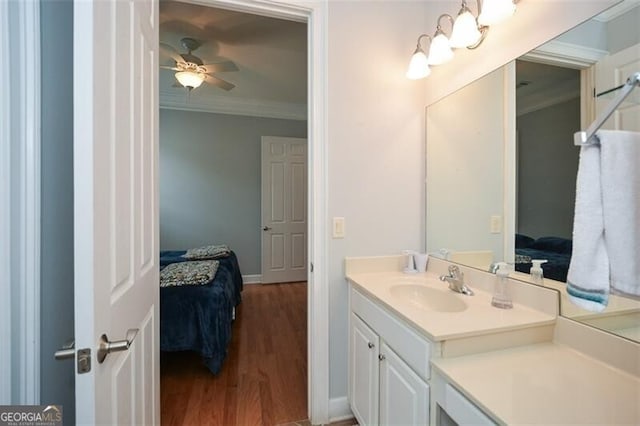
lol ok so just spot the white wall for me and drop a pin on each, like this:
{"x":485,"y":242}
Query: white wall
{"x":210,"y":180}
{"x":57,"y":379}
{"x":376,"y":146}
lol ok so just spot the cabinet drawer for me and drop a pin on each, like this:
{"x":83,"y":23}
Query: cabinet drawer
{"x":414,"y":349}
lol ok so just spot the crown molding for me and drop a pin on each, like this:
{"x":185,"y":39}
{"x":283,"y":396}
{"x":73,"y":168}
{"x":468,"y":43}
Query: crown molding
{"x":233,"y":106}
{"x":547,"y":102}
{"x":568,"y":54}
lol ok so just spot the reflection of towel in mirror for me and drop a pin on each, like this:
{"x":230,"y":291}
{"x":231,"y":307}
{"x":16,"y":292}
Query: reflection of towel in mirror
{"x":606,"y":232}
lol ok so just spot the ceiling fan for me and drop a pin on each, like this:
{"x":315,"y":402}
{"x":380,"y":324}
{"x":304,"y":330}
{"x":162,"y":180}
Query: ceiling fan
{"x":191,"y":71}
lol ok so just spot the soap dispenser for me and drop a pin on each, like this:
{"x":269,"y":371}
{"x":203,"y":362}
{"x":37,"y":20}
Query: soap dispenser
{"x":537,"y":275}
{"x":501,"y":297}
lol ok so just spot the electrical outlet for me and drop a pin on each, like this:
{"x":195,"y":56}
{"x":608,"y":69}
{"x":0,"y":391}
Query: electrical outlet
{"x":496,"y":224}
{"x":338,"y":227}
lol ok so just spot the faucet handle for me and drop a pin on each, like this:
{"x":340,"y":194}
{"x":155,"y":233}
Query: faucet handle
{"x":455,"y":272}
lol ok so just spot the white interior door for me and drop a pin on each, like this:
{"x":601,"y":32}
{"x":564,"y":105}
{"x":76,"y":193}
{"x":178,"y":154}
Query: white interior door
{"x":612,"y":71}
{"x":116,"y":208}
{"x":284,"y":209}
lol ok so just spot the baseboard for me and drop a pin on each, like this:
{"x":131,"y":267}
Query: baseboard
{"x":252,"y":279}
{"x":339,"y":409}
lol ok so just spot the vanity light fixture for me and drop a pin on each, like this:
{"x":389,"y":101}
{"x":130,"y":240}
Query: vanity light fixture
{"x":419,"y":67}
{"x":440,"y":51}
{"x":494,"y":11}
{"x":466,"y":32}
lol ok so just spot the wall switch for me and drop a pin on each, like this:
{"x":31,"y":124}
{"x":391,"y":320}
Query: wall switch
{"x":338,"y":227}
{"x":496,"y":224}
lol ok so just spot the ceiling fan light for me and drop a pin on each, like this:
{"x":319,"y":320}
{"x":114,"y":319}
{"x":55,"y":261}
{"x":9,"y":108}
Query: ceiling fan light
{"x":189,"y":79}
{"x":465,"y":31}
{"x":440,"y":52}
{"x":494,"y":11}
{"x":418,"y":67}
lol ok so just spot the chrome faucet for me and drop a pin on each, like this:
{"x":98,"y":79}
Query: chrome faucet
{"x":456,"y":281}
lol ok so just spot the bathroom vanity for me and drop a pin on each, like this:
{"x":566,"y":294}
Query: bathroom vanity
{"x":420,"y":353}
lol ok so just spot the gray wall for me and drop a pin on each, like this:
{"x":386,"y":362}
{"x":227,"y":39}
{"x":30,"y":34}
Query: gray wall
{"x":547,"y":169}
{"x":210,"y":180}
{"x":57,"y":377}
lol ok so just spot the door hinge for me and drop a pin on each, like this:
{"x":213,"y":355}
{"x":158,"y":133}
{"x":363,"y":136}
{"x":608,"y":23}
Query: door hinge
{"x":84,"y":360}
{"x":311,"y":267}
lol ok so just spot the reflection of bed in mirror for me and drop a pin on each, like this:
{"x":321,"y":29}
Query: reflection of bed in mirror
{"x":555,"y":250}
{"x":514,"y":160}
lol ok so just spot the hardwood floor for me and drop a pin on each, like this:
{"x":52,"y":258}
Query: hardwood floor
{"x":264,"y":377}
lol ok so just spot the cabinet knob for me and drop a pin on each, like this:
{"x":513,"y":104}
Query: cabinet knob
{"x":371,"y":345}
{"x":381,"y":357}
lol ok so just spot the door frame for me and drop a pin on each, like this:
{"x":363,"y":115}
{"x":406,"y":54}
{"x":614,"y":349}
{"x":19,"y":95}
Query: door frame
{"x":20,"y":197}
{"x":314,"y":13}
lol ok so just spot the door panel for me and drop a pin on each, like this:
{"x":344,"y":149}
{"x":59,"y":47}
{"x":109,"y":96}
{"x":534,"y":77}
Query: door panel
{"x":284,"y":209}
{"x":612,"y":71}
{"x":115,"y":208}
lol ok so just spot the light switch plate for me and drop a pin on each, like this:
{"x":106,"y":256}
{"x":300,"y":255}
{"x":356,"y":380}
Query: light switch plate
{"x":338,"y":227}
{"x":496,"y":224}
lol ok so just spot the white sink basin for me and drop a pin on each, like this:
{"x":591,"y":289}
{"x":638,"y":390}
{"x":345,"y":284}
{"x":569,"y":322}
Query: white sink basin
{"x":427,"y":298}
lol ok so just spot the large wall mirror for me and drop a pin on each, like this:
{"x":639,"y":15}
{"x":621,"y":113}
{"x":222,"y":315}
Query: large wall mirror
{"x":501,"y":163}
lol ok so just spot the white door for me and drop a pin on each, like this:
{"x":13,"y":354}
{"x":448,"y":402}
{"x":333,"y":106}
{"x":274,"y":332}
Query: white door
{"x":612,"y":71}
{"x":116,"y":208}
{"x":284,"y":209}
{"x":404,"y":396}
{"x":363,"y":372}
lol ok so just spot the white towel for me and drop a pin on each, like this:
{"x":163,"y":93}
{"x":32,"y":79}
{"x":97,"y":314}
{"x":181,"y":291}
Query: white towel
{"x":606,"y":230}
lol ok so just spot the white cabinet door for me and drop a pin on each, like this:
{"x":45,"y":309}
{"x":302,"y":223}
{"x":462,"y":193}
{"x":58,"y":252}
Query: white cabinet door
{"x":363,"y":372}
{"x":404,"y":396}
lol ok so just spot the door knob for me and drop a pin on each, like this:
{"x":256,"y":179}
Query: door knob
{"x":106,"y":347}
{"x":266,"y":228}
{"x":66,"y":351}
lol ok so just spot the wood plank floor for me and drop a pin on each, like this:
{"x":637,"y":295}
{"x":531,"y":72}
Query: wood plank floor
{"x":264,"y":377}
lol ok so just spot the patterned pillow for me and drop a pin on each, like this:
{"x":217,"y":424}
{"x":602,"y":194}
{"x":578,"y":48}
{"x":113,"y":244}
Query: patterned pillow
{"x":207,"y":252}
{"x":188,"y":273}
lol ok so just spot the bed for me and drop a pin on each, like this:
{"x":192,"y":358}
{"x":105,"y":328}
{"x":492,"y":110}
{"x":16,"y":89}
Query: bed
{"x":556,"y":250}
{"x":199,"y":317}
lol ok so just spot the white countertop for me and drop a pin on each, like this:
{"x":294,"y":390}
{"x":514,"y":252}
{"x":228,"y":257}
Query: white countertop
{"x":479,"y":317}
{"x":545,"y":384}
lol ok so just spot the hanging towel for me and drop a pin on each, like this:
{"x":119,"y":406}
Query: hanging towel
{"x":606,"y":226}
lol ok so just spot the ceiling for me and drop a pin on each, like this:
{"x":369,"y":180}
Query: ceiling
{"x":270,"y":53}
{"x":541,"y":85}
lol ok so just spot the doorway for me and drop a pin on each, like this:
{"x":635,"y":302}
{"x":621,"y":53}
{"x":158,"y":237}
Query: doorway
{"x":219,"y":153}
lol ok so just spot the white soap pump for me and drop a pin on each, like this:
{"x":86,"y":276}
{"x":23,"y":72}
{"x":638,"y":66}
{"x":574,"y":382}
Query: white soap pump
{"x":537,"y":275}
{"x":501,"y":297}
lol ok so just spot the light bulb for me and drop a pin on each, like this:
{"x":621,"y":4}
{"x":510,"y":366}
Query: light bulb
{"x":418,"y":67}
{"x":440,"y":52}
{"x":465,"y":30}
{"x":494,"y":11}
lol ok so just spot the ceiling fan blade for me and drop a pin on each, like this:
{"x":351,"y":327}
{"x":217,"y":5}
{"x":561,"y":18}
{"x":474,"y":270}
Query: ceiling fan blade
{"x":218,"y":82}
{"x":188,"y":57}
{"x":164,"y":67}
{"x":225,"y":66}
{"x":170,"y":52}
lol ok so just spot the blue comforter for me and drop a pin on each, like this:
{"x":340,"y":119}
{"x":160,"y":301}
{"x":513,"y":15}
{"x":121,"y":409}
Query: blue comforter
{"x":198,"y":318}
